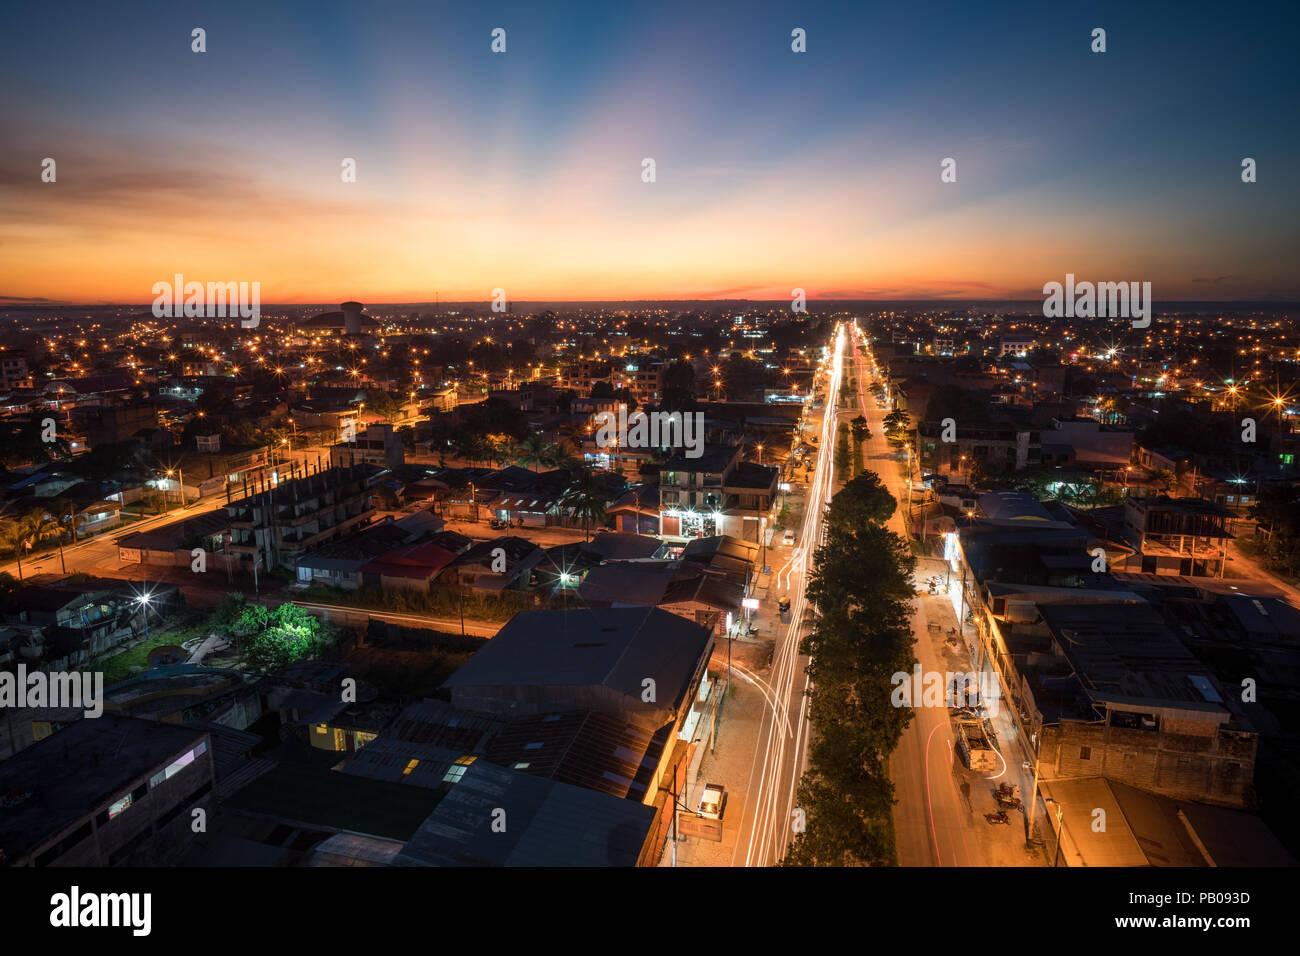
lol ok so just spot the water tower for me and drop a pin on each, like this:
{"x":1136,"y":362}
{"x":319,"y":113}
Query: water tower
{"x":351,"y":318}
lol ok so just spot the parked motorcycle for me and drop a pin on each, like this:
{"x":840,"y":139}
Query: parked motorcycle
{"x":999,"y":817}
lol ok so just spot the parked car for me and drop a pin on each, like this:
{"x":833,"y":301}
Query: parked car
{"x":713,"y":801}
{"x":783,"y":605}
{"x":788,"y":537}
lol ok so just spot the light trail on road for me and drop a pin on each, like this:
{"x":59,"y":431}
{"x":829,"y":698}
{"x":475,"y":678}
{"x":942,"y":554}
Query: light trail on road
{"x":766,"y":834}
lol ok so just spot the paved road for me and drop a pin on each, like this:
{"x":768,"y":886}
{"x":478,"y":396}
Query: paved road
{"x":781,"y":744}
{"x":98,"y":555}
{"x":359,"y":616}
{"x":933,"y":824}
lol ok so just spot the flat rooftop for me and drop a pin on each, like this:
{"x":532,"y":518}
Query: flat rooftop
{"x":549,"y":824}
{"x":1125,"y":653}
{"x":616,"y":648}
{"x":80,"y":769}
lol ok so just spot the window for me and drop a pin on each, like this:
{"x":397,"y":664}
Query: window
{"x":179,"y":764}
{"x":64,"y":845}
{"x":115,"y":808}
{"x":457,"y":770}
{"x":409,"y":767}
{"x":1085,"y":753}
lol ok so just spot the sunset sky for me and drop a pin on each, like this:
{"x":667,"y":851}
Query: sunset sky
{"x":523,"y":170}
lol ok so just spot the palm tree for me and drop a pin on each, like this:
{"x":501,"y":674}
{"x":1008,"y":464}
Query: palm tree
{"x":15,"y":535}
{"x":531,"y":451}
{"x":43,"y":524}
{"x":562,"y":455}
{"x":588,"y":490}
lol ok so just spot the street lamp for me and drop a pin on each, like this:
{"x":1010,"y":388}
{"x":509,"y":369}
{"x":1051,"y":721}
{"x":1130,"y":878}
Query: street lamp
{"x":143,"y":599}
{"x":181,"y":485}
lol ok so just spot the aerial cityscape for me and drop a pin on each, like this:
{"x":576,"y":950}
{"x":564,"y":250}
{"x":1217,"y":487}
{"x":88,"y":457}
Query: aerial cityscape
{"x":755,"y":436}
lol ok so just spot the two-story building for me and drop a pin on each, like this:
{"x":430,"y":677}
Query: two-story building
{"x":715,"y":494}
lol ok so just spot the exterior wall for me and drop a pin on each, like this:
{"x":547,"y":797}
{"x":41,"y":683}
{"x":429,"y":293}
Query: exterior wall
{"x":151,"y":830}
{"x":1003,"y":447}
{"x":1092,"y":444}
{"x":1218,"y":768}
{"x":179,"y":558}
{"x":346,"y":580}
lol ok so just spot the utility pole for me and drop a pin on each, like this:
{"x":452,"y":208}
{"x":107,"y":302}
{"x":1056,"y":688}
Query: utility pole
{"x":674,"y":795}
{"x":1060,"y":832}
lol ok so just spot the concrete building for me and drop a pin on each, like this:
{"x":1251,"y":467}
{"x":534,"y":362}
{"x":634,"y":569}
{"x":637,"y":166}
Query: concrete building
{"x":173,"y":544}
{"x":1184,"y":536}
{"x":1119,"y":696}
{"x":555,"y":824}
{"x":376,"y":444}
{"x":643,"y":667}
{"x":1086,"y":442}
{"x":114,"y":791}
{"x":999,"y":446}
{"x":591,"y":658}
{"x":716,"y":494}
{"x":13,"y":370}
{"x":278,"y":523}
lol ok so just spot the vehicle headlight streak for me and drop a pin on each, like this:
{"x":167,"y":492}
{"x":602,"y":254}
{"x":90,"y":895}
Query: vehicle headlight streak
{"x":779,"y":783}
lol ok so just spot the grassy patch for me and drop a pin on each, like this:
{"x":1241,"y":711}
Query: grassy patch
{"x":130,"y":662}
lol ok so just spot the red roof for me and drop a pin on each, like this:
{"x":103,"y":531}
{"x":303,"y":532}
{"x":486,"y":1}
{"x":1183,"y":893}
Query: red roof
{"x":411,"y":561}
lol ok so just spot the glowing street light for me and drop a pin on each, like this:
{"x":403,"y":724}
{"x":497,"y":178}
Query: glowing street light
{"x":143,"y":601}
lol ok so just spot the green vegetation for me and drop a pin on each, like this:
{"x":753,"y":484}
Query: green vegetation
{"x":842,"y":450}
{"x":272,"y":639}
{"x":861,"y":587}
{"x":860,"y":431}
{"x":1278,"y":517}
{"x":897,"y":424}
{"x":442,"y":602}
{"x":859,"y":428}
